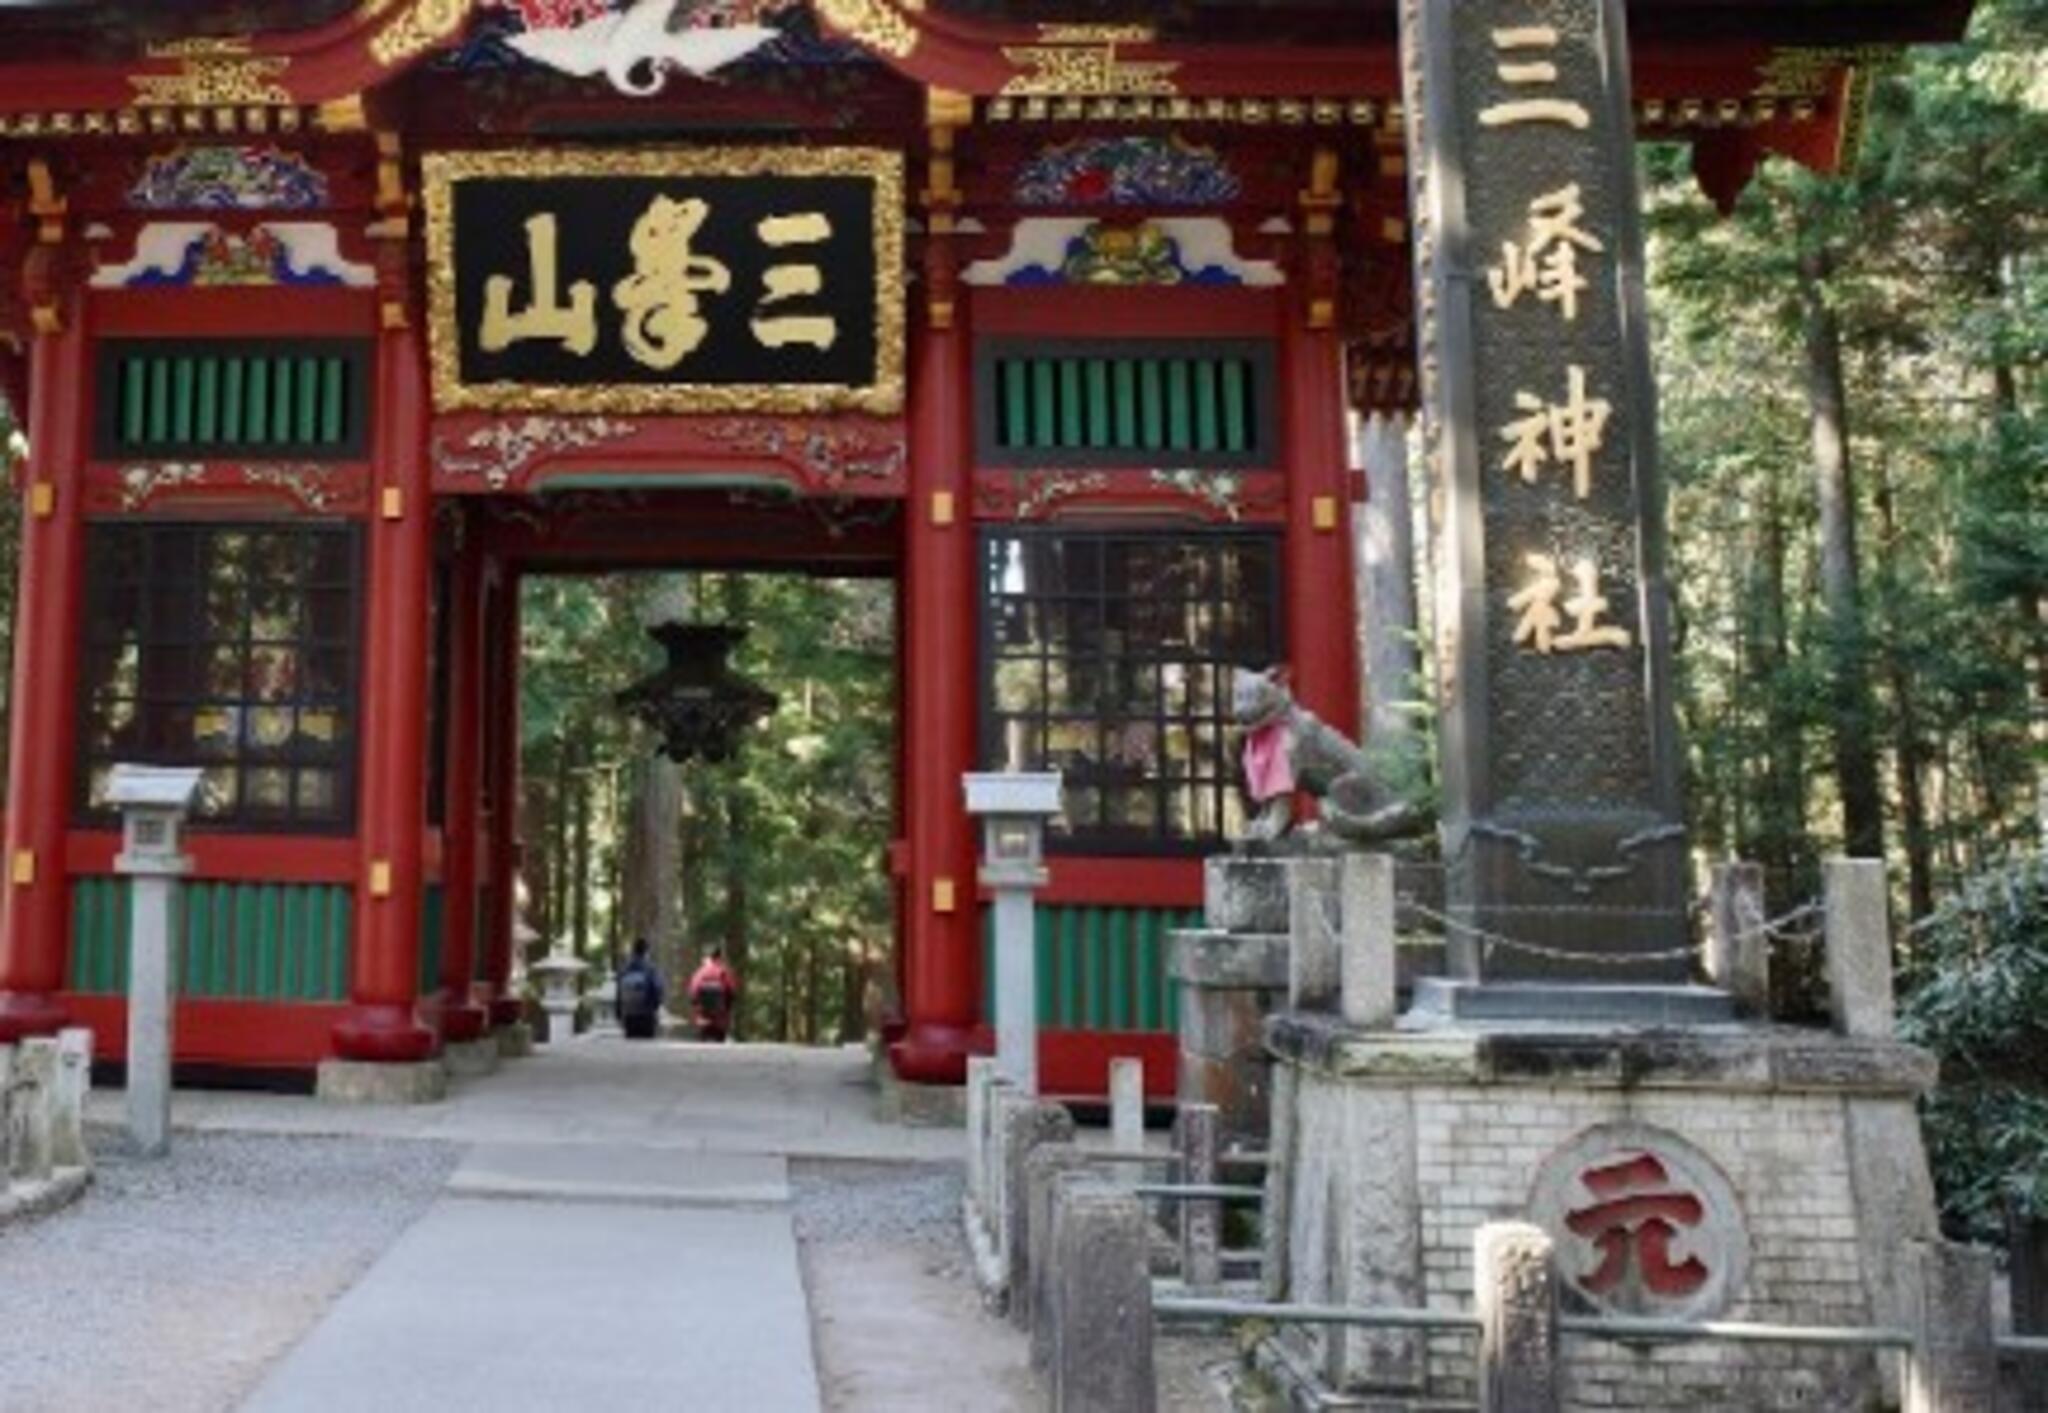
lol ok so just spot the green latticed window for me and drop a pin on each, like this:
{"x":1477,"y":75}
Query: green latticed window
{"x":233,"y":397}
{"x":1124,"y":402}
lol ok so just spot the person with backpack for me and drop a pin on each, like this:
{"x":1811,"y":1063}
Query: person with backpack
{"x":639,"y":994}
{"x":714,"y":995}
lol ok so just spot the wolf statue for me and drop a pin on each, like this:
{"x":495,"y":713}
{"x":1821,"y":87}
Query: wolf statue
{"x":1288,"y":748}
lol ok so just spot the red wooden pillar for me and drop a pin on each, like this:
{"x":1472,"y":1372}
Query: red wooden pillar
{"x":1321,"y":643}
{"x":941,"y":959}
{"x":382,"y":1023}
{"x":35,"y":933}
{"x":463,"y":1018}
{"x":501,"y":828}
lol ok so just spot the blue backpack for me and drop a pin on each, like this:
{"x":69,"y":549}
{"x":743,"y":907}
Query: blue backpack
{"x":636,"y":992}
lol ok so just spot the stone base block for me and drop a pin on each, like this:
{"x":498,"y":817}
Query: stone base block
{"x":470,"y":1059}
{"x":360,"y":1082}
{"x":1785,"y":1167}
{"x":919,"y":1105}
{"x":515,"y":1041}
{"x":29,"y":1200}
{"x":1441,"y":1001}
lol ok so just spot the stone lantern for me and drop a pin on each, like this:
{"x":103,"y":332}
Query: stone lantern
{"x":559,"y":975}
{"x":153,"y":801}
{"x":1014,"y":808}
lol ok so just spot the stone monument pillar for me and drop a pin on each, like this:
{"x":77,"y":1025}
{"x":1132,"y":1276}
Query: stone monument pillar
{"x":153,"y":802}
{"x":1562,"y":817}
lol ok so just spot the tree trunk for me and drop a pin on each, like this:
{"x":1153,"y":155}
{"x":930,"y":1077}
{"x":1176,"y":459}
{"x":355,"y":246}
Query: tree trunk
{"x":1384,"y":531}
{"x":1849,"y":698}
{"x":1907,"y":743}
{"x":580,"y":867}
{"x":736,"y":598}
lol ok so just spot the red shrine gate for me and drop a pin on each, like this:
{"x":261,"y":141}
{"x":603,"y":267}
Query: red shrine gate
{"x":1076,"y":375}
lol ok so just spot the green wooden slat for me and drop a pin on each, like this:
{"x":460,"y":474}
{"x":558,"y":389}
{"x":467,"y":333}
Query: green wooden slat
{"x":1126,"y":402}
{"x":341,"y":939}
{"x":79,"y":971}
{"x":134,"y":401}
{"x":1069,"y":1012}
{"x":1016,"y":403}
{"x":308,"y":388}
{"x":106,"y":937}
{"x":231,"y":402}
{"x":1098,"y":402}
{"x":281,"y":399}
{"x":1152,"y":402}
{"x":1070,"y":402}
{"x":1117,"y":939}
{"x":256,"y":428}
{"x":247,"y":934}
{"x":159,"y":400}
{"x":270,"y":943}
{"x":1179,"y":415}
{"x":291,"y":955}
{"x":313,"y":964}
{"x":193,"y":939}
{"x":1207,"y":436}
{"x":1147,"y":926}
{"x":208,"y":429}
{"x":1235,"y":406}
{"x":333,"y":400}
{"x":1043,"y":403}
{"x":184,"y":383}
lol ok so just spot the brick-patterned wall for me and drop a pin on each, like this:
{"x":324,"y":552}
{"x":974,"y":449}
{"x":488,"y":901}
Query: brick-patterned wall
{"x":1475,"y":1154}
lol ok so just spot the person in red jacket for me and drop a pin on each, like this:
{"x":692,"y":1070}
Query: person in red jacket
{"x":714,"y":996}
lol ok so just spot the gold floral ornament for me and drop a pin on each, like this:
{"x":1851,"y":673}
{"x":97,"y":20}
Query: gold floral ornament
{"x":1093,"y":68}
{"x":418,"y":27}
{"x":207,"y":79}
{"x":873,"y":24}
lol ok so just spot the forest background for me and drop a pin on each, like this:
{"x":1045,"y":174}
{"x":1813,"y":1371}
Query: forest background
{"x":1855,"y":441}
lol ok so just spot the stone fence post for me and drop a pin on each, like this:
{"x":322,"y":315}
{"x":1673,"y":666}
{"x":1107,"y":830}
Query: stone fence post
{"x":30,"y":1133}
{"x":1738,"y":948}
{"x":1859,"y":949}
{"x":2027,"y":1241}
{"x":74,"y":1081}
{"x":1367,"y":966}
{"x":1953,"y":1367}
{"x":1201,"y":1222}
{"x":1101,"y":1301}
{"x":1515,"y":1285}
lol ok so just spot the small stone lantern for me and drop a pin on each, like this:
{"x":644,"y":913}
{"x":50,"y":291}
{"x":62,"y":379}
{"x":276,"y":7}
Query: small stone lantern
{"x":559,"y":975}
{"x":1014,"y":808}
{"x":153,"y":801}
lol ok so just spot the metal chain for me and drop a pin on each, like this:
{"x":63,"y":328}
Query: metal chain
{"x":1780,"y":928}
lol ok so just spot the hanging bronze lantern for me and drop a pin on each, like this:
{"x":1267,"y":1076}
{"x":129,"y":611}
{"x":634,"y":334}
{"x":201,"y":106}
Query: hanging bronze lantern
{"x":698,"y":703}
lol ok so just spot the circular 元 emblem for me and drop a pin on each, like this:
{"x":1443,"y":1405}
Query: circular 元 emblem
{"x":1645,"y":1223}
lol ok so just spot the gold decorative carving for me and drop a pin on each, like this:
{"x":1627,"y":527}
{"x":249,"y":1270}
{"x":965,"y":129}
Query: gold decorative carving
{"x":497,"y":452}
{"x":873,"y":24}
{"x":420,"y":26}
{"x":1085,"y":70}
{"x":441,"y":170}
{"x":207,"y":81}
{"x":141,"y":484}
{"x":305,"y":482}
{"x":834,"y":454}
{"x":201,"y":47}
{"x":1097,"y":34}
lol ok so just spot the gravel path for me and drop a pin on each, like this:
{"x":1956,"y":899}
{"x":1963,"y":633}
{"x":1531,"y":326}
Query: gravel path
{"x":173,"y":1285}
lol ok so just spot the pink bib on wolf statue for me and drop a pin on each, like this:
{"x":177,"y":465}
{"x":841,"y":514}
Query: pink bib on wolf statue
{"x":1268,"y":769}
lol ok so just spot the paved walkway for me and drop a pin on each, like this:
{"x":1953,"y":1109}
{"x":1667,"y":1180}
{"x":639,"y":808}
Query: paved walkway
{"x":780,"y":1099}
{"x":617,"y":1232}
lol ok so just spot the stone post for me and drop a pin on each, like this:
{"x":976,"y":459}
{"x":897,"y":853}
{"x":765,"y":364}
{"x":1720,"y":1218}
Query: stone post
{"x":981,"y":1071}
{"x":1102,"y":1303}
{"x":2027,"y":1243}
{"x":1026,"y":1124}
{"x":1276,"y":1230}
{"x":1953,"y":1367}
{"x":1048,"y":1167}
{"x":29,"y":1130}
{"x":1201,"y":1222}
{"x":1127,"y":1110}
{"x":1859,"y":949}
{"x":1515,"y":1288}
{"x":1013,"y":808}
{"x":1738,"y":948}
{"x":1313,"y":969}
{"x":153,"y":802}
{"x":1367,"y":964}
{"x":74,"y":1080}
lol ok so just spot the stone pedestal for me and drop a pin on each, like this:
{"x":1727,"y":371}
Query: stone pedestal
{"x":365,"y":1082}
{"x":1231,"y":974}
{"x":514,"y":1041}
{"x":1736,"y":1172}
{"x":469,"y":1059}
